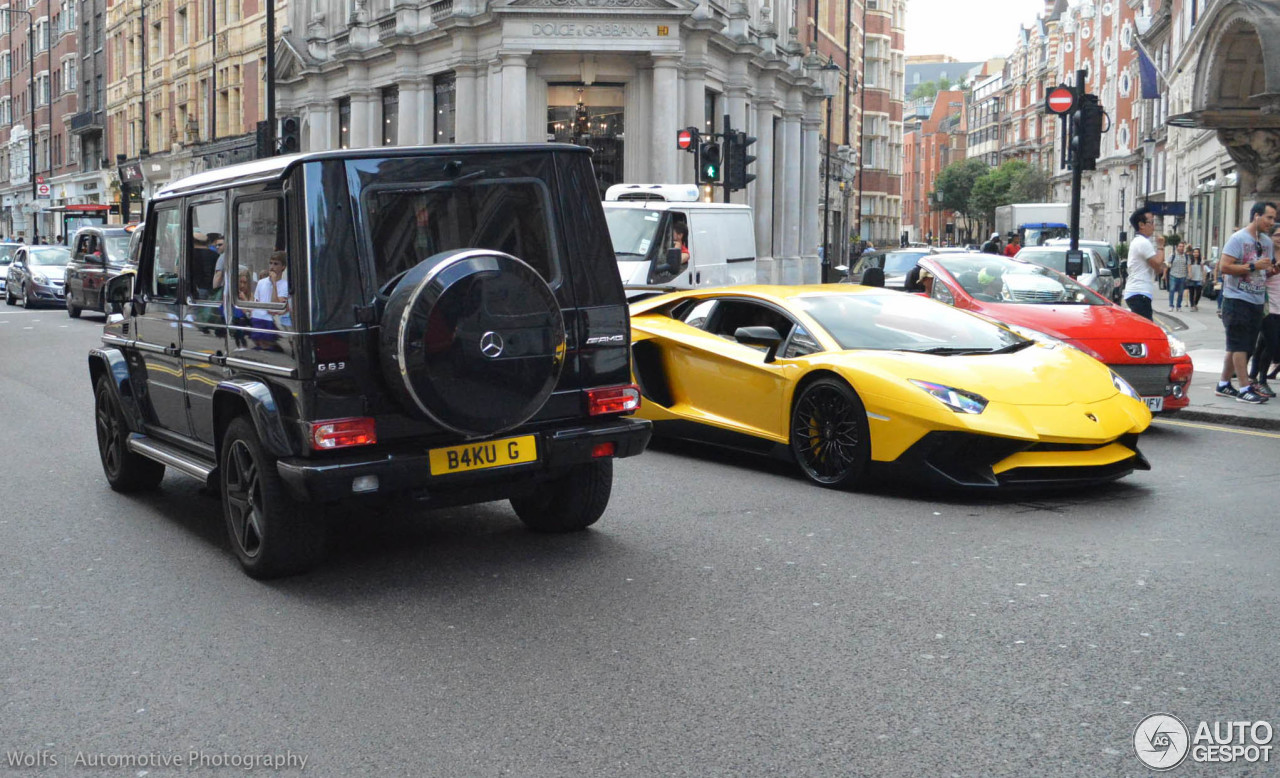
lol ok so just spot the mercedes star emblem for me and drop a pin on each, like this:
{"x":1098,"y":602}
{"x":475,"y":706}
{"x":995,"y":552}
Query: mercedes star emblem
{"x":491,"y":345}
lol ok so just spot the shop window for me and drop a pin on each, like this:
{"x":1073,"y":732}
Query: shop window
{"x":590,"y":116}
{"x":445,"y":86}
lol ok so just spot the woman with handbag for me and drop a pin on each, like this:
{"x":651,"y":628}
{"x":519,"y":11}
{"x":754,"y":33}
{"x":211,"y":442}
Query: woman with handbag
{"x":1195,"y":278}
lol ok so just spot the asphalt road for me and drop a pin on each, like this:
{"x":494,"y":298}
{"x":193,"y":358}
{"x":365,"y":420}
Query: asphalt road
{"x":724,"y":619}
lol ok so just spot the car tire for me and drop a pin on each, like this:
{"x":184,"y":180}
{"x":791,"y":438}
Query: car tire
{"x":9,"y":299}
{"x":73,"y":310}
{"x":571,"y":502}
{"x":270,"y":534}
{"x":125,"y":470}
{"x":830,"y":436}
{"x":472,"y":340}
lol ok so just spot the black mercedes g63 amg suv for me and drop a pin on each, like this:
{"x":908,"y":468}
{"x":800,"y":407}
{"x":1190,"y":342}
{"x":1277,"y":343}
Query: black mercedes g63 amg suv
{"x":445,"y":322}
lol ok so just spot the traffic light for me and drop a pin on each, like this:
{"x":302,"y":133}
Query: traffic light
{"x":709,"y":167}
{"x":262,"y":140}
{"x":738,"y":160}
{"x":1086,"y":132}
{"x":290,"y":135}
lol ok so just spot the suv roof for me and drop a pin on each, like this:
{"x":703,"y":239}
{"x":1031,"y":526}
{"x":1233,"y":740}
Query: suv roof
{"x":277,"y":168}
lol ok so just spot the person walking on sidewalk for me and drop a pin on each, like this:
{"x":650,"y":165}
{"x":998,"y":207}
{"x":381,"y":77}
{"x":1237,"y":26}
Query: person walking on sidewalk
{"x":1247,"y":262}
{"x":1177,"y":275}
{"x":1195,"y":278}
{"x":1266,"y":354}
{"x":1143,"y":264}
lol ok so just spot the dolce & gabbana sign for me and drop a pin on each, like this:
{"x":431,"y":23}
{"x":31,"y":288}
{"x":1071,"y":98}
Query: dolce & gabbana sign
{"x":597,"y":30}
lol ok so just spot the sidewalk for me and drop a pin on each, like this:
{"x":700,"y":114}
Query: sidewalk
{"x":1205,"y":338}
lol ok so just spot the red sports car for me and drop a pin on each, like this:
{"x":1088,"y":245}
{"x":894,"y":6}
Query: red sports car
{"x":1044,"y":304}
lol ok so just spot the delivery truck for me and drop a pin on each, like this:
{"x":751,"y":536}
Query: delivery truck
{"x":1034,"y":223}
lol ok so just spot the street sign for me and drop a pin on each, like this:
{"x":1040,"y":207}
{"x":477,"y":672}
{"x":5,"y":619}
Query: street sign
{"x":1060,"y":100}
{"x":685,"y":139}
{"x":42,"y":190}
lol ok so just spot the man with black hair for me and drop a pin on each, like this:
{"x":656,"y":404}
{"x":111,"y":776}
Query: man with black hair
{"x":1143,"y":263}
{"x":1247,"y":262}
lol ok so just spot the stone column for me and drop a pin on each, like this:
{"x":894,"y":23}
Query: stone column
{"x":410,"y":127}
{"x":762,"y":189}
{"x":361,"y":104}
{"x":810,"y":224}
{"x":791,"y":201}
{"x":515,"y":97}
{"x":320,"y":118}
{"x":666,"y":118}
{"x":465,"y":103}
{"x":695,"y":95}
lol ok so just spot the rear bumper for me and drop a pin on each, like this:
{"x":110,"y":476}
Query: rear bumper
{"x":409,"y":471}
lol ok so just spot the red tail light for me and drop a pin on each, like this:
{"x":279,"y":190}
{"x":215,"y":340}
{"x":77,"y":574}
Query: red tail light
{"x":603,"y":450}
{"x":341,"y":433}
{"x":613,"y":399}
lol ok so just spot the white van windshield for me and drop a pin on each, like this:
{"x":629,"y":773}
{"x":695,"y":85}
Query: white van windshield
{"x":633,"y":231}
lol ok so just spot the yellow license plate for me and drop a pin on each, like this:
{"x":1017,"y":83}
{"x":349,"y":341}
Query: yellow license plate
{"x":480,"y":456}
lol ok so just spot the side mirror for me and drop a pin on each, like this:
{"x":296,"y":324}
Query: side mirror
{"x":674,"y":266}
{"x":1104,"y":271}
{"x":119,"y":291}
{"x":760,"y":336}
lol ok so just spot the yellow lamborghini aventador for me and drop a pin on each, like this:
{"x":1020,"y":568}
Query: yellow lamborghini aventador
{"x":848,"y":378}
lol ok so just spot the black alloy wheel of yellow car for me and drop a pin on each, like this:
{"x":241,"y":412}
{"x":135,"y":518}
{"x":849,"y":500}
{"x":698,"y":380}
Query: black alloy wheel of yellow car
{"x":830,"y":437}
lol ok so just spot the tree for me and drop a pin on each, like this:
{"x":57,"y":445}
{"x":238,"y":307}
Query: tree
{"x":928,"y":89}
{"x":1030,"y":185}
{"x":1013,"y":182}
{"x":954,"y":187}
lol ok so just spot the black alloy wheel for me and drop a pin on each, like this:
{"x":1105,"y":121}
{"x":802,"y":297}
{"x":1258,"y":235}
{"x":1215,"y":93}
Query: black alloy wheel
{"x":830,"y":437}
{"x":268,"y":535}
{"x":125,"y":470}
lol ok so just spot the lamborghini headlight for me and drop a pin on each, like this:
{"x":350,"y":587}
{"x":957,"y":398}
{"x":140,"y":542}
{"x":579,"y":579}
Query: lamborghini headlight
{"x":1176,"y":347}
{"x":957,"y":400}
{"x":1123,"y":386}
{"x":1035,"y":335}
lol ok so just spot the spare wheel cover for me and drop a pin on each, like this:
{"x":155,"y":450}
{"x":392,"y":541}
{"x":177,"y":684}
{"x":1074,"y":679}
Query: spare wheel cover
{"x":477,"y":338}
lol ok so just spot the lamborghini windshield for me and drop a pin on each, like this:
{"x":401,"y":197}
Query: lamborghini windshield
{"x":892,"y":321}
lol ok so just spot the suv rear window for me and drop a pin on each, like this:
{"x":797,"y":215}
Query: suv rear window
{"x":407,"y":224}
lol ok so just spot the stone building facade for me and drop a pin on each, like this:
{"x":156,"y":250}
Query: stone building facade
{"x":622,"y":76}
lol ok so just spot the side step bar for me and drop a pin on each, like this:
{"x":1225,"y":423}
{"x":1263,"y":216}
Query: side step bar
{"x":172,"y":456}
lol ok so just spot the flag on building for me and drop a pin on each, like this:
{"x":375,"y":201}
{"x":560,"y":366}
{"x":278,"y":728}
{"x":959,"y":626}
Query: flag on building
{"x":1147,"y":72}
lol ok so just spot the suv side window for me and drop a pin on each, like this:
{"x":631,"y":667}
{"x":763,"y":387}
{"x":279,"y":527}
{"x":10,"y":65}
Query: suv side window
{"x":168,"y":243}
{"x":262,"y":261}
{"x":205,"y":224}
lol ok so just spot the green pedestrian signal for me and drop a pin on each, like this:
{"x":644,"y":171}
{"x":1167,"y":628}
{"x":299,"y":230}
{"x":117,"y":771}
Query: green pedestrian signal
{"x":709,"y":169}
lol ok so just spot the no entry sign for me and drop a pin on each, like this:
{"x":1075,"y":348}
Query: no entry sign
{"x":1060,"y":100}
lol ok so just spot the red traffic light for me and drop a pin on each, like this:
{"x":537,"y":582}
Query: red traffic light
{"x":685,"y":139}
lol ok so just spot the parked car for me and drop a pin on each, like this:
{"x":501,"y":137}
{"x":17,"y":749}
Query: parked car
{"x":1045,"y":304}
{"x":1113,"y":261}
{"x":1095,"y":274}
{"x":36,"y":275}
{"x":98,"y":254}
{"x":894,"y":264}
{"x":445,"y":323}
{"x":6,"y":258}
{"x":849,"y":380}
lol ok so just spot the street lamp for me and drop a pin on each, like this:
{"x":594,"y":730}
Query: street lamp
{"x":828,"y":77}
{"x":1124,"y":182}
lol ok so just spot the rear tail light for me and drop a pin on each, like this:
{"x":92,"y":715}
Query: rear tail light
{"x":342,"y":433}
{"x":613,"y":399}
{"x":603,"y":450}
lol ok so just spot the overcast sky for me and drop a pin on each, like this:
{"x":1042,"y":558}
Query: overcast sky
{"x":969,"y":30}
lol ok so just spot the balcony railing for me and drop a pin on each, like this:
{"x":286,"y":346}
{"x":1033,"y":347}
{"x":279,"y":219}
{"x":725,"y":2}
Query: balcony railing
{"x":87,"y":121}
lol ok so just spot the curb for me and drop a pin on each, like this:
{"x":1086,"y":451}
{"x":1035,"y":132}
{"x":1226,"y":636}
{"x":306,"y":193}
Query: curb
{"x":1231,"y":419}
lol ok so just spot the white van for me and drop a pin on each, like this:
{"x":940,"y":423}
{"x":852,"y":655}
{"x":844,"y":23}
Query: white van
{"x":722,"y":236}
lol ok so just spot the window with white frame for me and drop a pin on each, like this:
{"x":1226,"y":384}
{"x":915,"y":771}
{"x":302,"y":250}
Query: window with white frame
{"x":42,"y":89}
{"x":5,"y":24}
{"x":42,"y":33}
{"x":6,"y":110}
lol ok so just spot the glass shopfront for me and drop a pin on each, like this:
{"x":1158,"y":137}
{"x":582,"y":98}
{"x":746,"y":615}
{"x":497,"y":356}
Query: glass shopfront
{"x":1213,"y":213}
{"x":590,"y":116}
